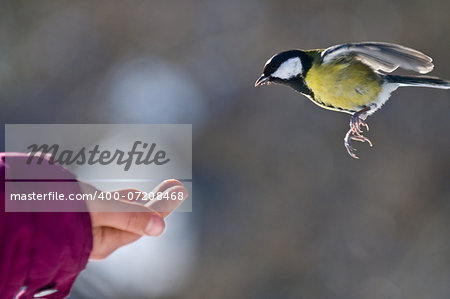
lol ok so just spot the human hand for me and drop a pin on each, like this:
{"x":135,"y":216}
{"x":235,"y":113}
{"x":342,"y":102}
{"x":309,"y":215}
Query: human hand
{"x":128,"y":221}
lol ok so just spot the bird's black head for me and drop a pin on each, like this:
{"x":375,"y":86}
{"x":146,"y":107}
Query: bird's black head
{"x":287,"y":67}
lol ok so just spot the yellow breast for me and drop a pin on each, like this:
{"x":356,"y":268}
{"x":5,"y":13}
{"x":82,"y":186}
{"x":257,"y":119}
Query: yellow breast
{"x":343,"y":85}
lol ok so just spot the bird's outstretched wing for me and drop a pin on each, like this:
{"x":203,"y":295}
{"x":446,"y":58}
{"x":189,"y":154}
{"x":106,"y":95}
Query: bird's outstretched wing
{"x":383,"y":57}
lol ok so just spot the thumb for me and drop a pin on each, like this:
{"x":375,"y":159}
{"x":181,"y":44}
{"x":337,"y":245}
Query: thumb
{"x":139,"y":223}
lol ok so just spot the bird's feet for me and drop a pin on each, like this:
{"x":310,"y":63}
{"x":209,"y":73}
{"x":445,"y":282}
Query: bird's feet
{"x":355,"y":132}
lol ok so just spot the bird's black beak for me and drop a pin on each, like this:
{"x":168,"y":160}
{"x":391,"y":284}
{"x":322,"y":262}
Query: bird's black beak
{"x":262,"y":80}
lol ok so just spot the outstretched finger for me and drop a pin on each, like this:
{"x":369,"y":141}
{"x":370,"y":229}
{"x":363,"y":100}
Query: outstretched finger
{"x":167,"y":204}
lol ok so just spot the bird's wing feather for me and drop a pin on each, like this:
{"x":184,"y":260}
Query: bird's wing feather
{"x":381,"y":56}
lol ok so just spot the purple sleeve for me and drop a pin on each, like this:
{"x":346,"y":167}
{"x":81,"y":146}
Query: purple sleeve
{"x":41,"y":251}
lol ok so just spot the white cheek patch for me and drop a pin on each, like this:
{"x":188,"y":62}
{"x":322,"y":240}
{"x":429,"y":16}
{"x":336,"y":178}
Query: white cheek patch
{"x":289,"y":69}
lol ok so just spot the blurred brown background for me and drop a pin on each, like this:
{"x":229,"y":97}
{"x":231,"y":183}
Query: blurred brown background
{"x":280,"y":209}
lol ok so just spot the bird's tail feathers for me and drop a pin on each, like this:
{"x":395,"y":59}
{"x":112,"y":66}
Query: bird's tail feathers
{"x":420,"y":81}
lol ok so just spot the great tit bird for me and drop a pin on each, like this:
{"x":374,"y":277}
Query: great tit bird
{"x":350,"y":78}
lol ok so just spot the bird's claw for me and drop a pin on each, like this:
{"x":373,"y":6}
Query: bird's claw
{"x":356,"y":123}
{"x":355,"y":133}
{"x":349,"y":148}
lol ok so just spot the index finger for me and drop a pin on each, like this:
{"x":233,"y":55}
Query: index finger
{"x":166,"y":205}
